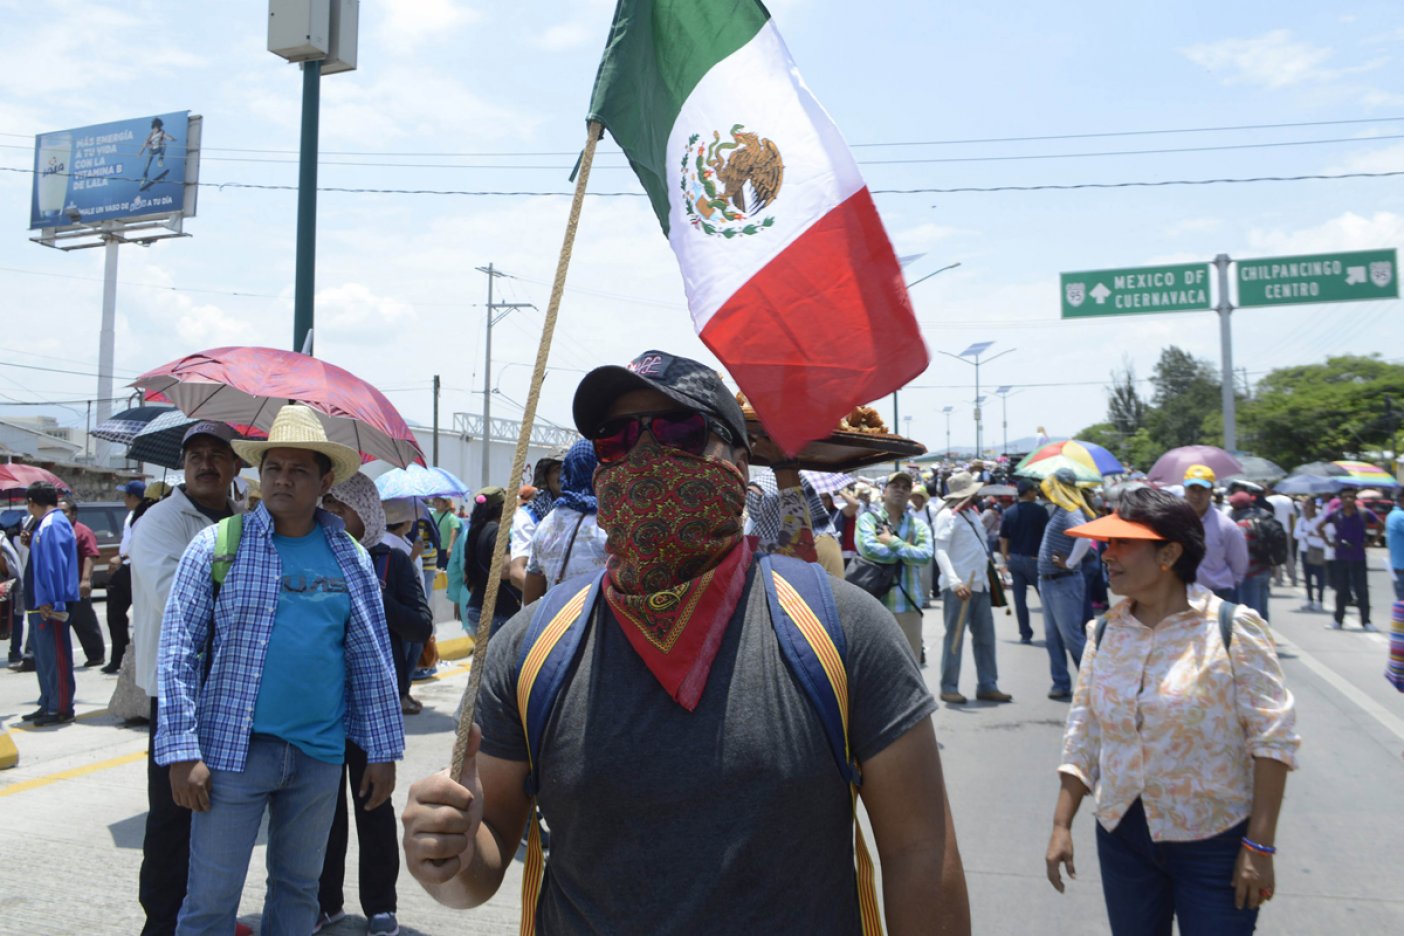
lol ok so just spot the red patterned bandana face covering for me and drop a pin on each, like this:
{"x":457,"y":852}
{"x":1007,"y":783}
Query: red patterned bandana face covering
{"x":677,"y":561}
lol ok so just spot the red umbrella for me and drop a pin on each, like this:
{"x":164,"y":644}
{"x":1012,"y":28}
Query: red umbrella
{"x":247,"y":386}
{"x":15,"y":478}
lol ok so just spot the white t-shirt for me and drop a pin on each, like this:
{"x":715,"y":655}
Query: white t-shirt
{"x":1283,"y":509}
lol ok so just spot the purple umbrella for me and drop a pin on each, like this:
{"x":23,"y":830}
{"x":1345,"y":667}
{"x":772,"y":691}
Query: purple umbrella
{"x":1170,"y":468}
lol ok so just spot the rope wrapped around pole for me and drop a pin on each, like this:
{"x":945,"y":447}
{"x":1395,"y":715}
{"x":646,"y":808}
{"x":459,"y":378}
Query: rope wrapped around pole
{"x":468,"y":707}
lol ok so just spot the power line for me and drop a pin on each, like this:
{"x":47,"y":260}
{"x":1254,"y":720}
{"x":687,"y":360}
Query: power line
{"x":951,"y":142}
{"x":58,"y":370}
{"x":346,"y":190}
{"x":1013,"y":157}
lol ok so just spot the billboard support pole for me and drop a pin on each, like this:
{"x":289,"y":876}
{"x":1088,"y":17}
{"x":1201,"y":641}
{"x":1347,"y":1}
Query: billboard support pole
{"x":106,"y":343}
{"x":306,"y":276}
{"x":1225,"y":310}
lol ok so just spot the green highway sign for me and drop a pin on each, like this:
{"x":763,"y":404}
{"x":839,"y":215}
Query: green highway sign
{"x":1337,"y":277}
{"x":1182,"y":287}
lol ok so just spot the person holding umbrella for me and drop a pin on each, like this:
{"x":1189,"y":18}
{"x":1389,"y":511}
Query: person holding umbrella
{"x":1183,"y":727}
{"x":299,"y":664}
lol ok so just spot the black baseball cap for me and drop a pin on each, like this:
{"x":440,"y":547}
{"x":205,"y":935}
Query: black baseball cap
{"x":690,"y":384}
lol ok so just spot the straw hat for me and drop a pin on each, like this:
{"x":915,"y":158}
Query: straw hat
{"x":962,"y":485}
{"x":297,"y":427}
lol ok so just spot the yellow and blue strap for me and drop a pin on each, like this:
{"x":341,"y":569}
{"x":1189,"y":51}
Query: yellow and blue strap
{"x":814,"y":647}
{"x":552,"y":639}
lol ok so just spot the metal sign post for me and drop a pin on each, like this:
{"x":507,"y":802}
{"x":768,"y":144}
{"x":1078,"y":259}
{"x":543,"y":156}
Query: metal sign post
{"x":1349,"y":276}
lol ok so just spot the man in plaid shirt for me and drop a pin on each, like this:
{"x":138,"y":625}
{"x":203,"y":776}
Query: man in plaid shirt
{"x":892,"y":534}
{"x":300,"y":663}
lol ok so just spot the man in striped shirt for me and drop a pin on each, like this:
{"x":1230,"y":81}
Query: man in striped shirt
{"x":891,"y":534}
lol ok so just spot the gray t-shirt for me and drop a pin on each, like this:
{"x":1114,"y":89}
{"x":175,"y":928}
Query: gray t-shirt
{"x":732,"y":818}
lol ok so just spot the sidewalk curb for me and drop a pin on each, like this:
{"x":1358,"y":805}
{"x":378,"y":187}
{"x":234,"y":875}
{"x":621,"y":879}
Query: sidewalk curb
{"x":9,"y":754}
{"x":455,"y":648}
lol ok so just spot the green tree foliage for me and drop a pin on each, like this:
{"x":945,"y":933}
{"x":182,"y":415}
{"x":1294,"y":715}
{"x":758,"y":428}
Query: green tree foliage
{"x":1125,"y":409}
{"x":1186,"y":391}
{"x":1320,"y":412}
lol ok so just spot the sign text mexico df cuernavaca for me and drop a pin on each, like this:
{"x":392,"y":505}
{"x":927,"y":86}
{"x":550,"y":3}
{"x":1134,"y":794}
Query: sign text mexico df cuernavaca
{"x":1174,"y":288}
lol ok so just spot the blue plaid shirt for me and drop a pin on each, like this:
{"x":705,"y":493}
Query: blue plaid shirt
{"x":213,"y":722}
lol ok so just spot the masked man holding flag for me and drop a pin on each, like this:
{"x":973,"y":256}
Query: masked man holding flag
{"x":682,"y":753}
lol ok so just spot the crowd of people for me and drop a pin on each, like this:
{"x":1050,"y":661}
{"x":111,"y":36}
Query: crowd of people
{"x":685,"y":649}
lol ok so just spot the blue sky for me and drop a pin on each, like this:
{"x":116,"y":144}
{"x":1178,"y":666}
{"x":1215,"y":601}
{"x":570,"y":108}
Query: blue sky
{"x":399,"y":299}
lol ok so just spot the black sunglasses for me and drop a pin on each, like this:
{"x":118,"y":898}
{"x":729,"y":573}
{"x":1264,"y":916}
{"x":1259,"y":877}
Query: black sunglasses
{"x":683,"y":430}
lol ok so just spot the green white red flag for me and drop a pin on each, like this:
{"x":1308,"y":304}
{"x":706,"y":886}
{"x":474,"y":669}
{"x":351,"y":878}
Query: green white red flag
{"x":789,"y":274}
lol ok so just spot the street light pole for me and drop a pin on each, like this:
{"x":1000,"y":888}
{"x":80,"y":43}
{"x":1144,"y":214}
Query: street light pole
{"x":971,"y":355}
{"x":948,"y":410}
{"x":1004,"y":413}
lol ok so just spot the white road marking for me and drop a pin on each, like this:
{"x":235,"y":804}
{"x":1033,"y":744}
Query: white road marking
{"x":1368,"y":705}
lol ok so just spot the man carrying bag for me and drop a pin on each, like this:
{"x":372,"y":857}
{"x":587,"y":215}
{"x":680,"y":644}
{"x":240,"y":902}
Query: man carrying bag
{"x":898,"y":545}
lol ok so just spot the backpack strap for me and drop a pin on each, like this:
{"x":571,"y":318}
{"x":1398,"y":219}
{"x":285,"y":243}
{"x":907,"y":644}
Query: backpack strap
{"x":228,"y":532}
{"x":1101,"y":629}
{"x":553,"y":638}
{"x":811,"y":639}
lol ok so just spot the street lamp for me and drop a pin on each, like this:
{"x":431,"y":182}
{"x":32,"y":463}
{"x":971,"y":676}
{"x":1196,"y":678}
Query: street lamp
{"x":1003,"y":393}
{"x":971,"y":355}
{"x":948,"y":410}
{"x":979,"y":449}
{"x":896,"y":410}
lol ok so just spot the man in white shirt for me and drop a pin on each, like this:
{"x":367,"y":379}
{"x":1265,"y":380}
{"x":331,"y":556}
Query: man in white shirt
{"x":1285,"y":511}
{"x":963,"y":557}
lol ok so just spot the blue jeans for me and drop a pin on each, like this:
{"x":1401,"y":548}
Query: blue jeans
{"x":53,"y":663}
{"x":1253,"y":591}
{"x":299,"y":793}
{"x":1024,"y":571}
{"x":1147,"y":885}
{"x":979,"y":622}
{"x":1064,"y":627}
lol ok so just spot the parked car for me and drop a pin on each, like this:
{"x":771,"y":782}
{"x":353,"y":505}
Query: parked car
{"x":106,"y":519}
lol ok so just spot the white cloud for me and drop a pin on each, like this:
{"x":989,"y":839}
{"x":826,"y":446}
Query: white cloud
{"x":1272,"y":60}
{"x":564,"y":36}
{"x":1383,"y":159}
{"x":1194,"y":226}
{"x":353,"y":306}
{"x":1349,"y":231}
{"x":415,"y":103}
{"x":408,"y":24}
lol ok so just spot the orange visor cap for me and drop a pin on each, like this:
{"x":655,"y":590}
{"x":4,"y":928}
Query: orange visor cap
{"x":1113,"y":527}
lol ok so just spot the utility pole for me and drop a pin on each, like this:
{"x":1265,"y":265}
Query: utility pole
{"x":436,"y":420}
{"x":948,"y":410}
{"x":492,"y":320}
{"x":1227,"y":396}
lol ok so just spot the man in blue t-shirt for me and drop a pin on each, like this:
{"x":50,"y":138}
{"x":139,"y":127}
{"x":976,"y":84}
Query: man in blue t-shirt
{"x":1394,"y":538}
{"x":1020,"y":538}
{"x":298,"y":663}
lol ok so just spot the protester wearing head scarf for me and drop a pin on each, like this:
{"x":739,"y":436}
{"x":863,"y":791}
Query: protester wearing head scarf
{"x":1061,"y":583}
{"x":570,"y":541}
{"x":359,"y":494}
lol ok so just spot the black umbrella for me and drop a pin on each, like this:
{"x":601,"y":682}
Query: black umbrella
{"x":124,"y":426}
{"x":159,"y":442}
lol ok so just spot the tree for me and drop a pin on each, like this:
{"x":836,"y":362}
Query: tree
{"x":1186,"y":390}
{"x":1126,"y":411}
{"x":1320,"y":412}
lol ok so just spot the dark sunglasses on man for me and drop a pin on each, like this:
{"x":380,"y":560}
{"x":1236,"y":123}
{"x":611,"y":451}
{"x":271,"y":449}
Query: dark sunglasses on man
{"x":685,"y":430}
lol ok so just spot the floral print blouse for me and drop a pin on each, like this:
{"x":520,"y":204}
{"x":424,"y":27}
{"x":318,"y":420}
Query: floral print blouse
{"x":1162,"y":714}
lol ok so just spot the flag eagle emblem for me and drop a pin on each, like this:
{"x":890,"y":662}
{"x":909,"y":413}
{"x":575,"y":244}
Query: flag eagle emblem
{"x":726,"y":184}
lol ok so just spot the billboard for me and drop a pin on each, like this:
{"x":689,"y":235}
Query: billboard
{"x":113,"y":171}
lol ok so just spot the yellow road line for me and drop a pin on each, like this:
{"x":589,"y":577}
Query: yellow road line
{"x":25,"y":785}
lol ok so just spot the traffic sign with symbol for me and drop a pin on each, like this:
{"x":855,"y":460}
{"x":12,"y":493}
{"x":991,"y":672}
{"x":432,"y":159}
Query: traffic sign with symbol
{"x":1180,"y":287}
{"x":1335,"y":277}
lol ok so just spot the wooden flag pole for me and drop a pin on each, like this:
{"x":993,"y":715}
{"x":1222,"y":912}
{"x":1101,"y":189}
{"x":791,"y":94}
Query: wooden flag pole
{"x":468,"y":708}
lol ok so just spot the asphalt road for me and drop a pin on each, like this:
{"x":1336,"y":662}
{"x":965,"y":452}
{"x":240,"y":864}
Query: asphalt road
{"x":72,"y":812}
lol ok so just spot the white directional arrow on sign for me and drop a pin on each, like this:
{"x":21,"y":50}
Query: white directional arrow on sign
{"x":1355,"y":275}
{"x":1100,"y":292}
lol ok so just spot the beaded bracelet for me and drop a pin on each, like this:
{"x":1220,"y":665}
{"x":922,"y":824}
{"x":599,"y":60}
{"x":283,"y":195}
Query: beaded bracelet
{"x":1257,"y":847}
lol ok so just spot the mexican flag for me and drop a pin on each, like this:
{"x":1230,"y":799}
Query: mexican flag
{"x":790,"y":277}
